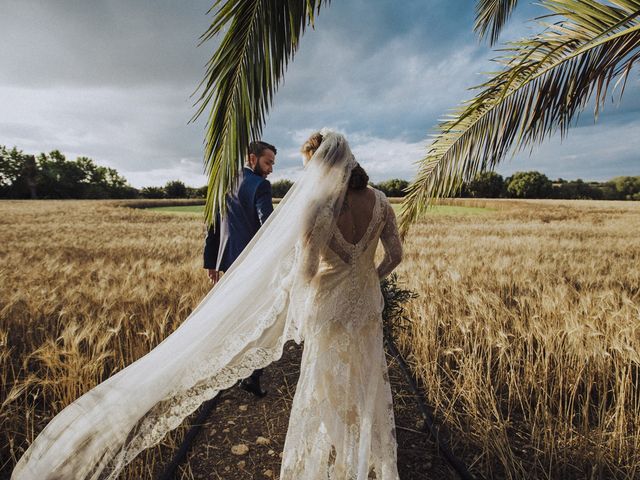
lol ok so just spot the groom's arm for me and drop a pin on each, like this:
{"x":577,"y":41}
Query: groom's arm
{"x":212,"y":246}
{"x":263,"y":202}
{"x":211,"y":243}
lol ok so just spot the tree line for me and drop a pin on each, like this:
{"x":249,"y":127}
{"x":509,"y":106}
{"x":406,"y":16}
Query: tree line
{"x":537,"y":185}
{"x":53,"y":176}
{"x":519,"y":185}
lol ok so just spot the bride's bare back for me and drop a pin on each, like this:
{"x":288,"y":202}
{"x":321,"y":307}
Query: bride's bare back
{"x":356,"y":214}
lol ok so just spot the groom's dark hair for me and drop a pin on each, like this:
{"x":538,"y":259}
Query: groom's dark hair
{"x":258,"y":147}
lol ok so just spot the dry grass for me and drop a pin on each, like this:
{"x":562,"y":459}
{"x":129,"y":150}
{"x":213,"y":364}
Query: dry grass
{"x":526,"y":336}
{"x":525,"y":333}
{"x":85,"y":289}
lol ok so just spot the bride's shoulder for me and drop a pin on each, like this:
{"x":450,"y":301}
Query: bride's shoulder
{"x":379,"y":193}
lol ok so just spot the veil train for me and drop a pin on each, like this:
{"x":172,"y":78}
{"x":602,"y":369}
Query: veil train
{"x":240,"y":325}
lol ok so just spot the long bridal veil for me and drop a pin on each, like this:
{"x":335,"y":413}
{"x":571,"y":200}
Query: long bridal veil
{"x":240,"y":325}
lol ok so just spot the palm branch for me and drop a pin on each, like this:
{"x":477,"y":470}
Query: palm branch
{"x":491,"y":16}
{"x":547,"y":80}
{"x":241,"y":78}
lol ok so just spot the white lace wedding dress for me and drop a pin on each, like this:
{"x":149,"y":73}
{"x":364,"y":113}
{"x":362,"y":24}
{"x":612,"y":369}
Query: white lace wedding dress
{"x":314,"y":285}
{"x":342,"y":424}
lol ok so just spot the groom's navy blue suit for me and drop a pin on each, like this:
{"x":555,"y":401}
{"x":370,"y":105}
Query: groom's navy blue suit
{"x":247,"y":209}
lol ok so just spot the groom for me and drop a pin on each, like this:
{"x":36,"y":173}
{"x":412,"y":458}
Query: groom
{"x":248,"y":207}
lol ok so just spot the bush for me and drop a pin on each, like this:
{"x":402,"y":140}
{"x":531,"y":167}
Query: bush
{"x":393,"y":188}
{"x":626,"y":187}
{"x":528,"y":185}
{"x":280,"y":188}
{"x":153,"y":192}
{"x":196,"y":192}
{"x":175,"y":189}
{"x":576,"y":190}
{"x":485,"y":185}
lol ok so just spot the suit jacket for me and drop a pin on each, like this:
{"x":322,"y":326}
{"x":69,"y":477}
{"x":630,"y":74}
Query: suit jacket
{"x":248,"y":207}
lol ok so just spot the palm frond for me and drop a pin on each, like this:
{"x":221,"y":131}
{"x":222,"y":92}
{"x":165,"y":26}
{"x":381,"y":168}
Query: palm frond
{"x":546,"y":82}
{"x":491,"y":16}
{"x":241,"y":79}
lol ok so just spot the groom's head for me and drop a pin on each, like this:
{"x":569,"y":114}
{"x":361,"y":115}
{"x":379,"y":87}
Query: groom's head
{"x":261,"y":158}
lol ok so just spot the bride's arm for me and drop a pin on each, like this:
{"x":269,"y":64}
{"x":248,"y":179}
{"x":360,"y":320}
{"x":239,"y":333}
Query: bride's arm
{"x":310,"y":249}
{"x":310,"y":261}
{"x":391,"y":242}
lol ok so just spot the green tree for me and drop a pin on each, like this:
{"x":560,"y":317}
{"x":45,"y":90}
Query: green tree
{"x":53,"y":176}
{"x":118,"y":185}
{"x":627,"y":187}
{"x":528,"y":185}
{"x":30,"y":175}
{"x":18,"y":174}
{"x":582,"y":48}
{"x":609,"y":191}
{"x":82,"y":178}
{"x":102,"y":182}
{"x":9,"y":169}
{"x":175,"y":189}
{"x":393,"y":188}
{"x":486,"y":185}
{"x":280,"y":188}
{"x":200,"y":192}
{"x":153,"y":192}
{"x":576,"y":190}
{"x":59,"y":178}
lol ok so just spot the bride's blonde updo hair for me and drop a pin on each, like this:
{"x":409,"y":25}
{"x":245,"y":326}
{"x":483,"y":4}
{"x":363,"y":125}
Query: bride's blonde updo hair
{"x":311,"y":145}
{"x":359,"y":178}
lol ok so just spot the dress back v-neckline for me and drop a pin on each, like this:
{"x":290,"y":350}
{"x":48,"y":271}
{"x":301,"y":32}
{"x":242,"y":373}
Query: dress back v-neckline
{"x":367,"y":232}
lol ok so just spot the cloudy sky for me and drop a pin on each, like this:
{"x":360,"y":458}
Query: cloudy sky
{"x":112,"y":80}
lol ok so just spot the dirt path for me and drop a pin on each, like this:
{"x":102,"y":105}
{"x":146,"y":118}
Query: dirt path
{"x":257,"y":428}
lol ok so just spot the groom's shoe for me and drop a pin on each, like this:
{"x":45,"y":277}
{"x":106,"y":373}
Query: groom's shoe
{"x":252,"y":385}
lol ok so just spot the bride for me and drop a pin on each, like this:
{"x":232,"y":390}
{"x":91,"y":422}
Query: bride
{"x":317,"y":283}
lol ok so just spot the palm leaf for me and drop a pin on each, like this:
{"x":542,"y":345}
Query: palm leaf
{"x":241,"y":79}
{"x":491,"y":16}
{"x":546,"y":82}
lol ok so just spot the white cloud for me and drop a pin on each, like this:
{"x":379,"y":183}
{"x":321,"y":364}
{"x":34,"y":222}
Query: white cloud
{"x":382,"y":158}
{"x":593,"y":152}
{"x":385,"y":158}
{"x":112,"y":81}
{"x":128,"y":129}
{"x":188,"y":171}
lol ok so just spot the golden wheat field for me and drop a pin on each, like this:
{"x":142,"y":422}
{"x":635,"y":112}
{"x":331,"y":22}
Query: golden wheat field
{"x":525,"y":334}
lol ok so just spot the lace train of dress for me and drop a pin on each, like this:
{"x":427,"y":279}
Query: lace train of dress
{"x":342,"y":424}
